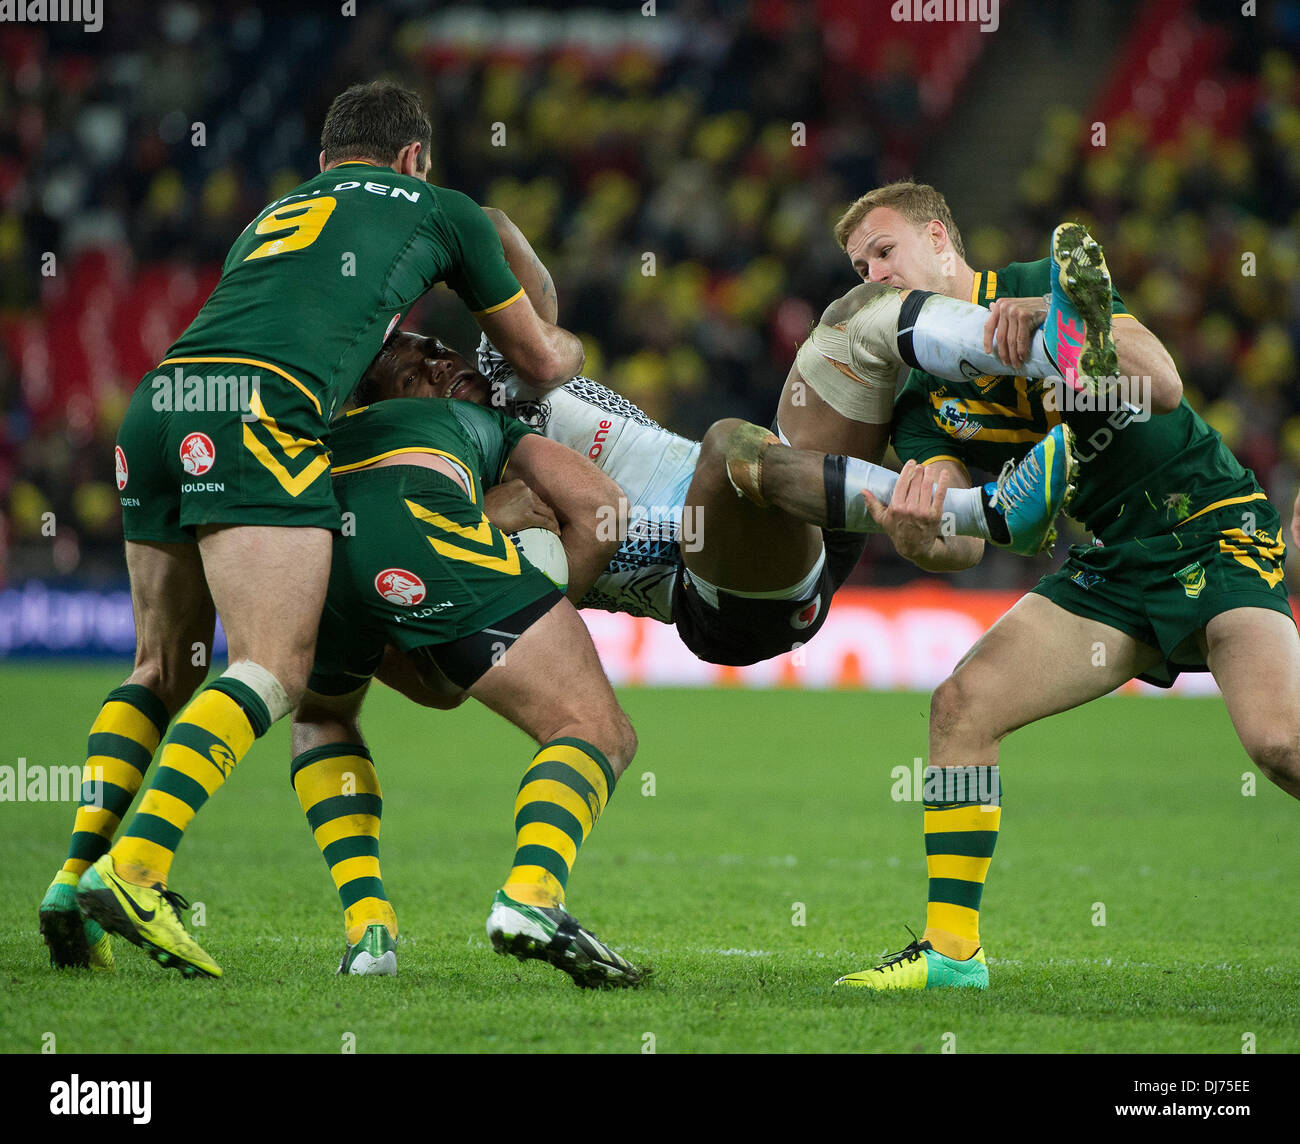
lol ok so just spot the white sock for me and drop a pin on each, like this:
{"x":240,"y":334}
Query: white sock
{"x":949,"y":334}
{"x":965,"y":505}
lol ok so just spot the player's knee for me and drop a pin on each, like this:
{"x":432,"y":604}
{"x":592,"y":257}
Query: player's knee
{"x":1278,"y":760}
{"x":616,"y":740}
{"x":957,"y":711}
{"x":174,"y":685}
{"x":714,"y":445}
{"x":946,"y":706}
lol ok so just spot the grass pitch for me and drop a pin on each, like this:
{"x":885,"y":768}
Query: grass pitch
{"x":744,"y":814}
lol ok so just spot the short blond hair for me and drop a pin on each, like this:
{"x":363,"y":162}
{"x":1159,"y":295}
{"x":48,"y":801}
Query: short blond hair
{"x":919,"y":203}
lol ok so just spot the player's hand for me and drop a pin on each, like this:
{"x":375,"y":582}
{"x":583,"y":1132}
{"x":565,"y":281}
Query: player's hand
{"x":1295,"y":521}
{"x":1010,"y":328}
{"x":913,"y":519}
{"x":513,"y":506}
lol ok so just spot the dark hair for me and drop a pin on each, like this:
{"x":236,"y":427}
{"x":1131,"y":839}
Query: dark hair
{"x":374,"y":121}
{"x":377,"y":383}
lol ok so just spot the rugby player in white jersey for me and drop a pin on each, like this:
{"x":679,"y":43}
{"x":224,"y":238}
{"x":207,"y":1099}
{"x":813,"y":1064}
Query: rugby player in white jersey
{"x":744,"y":581}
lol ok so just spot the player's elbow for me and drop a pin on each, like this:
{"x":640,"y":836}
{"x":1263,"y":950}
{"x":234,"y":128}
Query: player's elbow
{"x":1166,"y":390}
{"x":550,"y":365}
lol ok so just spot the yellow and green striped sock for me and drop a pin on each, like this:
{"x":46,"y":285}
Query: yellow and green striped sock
{"x":563,"y":792}
{"x":122,"y":741}
{"x":212,"y":733}
{"x":338,"y":789}
{"x":963,"y":812}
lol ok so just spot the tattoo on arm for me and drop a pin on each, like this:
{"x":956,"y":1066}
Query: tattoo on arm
{"x":547,"y":285}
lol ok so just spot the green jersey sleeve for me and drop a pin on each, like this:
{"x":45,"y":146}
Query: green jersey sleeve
{"x":480,"y":273}
{"x":493,"y":433}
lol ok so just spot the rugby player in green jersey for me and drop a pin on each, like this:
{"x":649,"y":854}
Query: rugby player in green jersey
{"x":422,"y":569}
{"x":227,"y":503}
{"x":1185,"y":573}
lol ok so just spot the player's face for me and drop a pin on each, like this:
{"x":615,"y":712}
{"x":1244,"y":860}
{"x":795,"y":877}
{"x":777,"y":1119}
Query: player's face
{"x":424,"y":367}
{"x":886,"y":248}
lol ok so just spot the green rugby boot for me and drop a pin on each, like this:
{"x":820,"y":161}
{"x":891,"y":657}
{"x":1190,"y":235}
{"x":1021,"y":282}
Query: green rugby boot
{"x":555,"y":937}
{"x":1077,"y":330}
{"x":147,"y":916}
{"x":74,"y":941}
{"x":920,"y":966}
{"x":375,"y":955}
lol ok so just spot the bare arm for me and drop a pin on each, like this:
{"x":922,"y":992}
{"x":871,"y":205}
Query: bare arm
{"x":1143,"y":355}
{"x":1013,"y":321}
{"x":914,"y":516}
{"x":526,"y":266}
{"x":585,"y":502}
{"x":544,"y":355}
{"x":564,"y":356}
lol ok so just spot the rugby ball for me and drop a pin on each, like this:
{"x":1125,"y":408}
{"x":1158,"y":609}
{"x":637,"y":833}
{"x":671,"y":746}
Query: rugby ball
{"x":543,"y":550}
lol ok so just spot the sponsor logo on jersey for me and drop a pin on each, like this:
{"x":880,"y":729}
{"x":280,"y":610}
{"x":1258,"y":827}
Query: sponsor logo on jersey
{"x":598,"y":441}
{"x":534,"y":414}
{"x":805,"y":616}
{"x":1087,"y":580}
{"x":198,"y":454}
{"x":398,"y":586}
{"x":955,"y":421}
{"x":119,"y":460}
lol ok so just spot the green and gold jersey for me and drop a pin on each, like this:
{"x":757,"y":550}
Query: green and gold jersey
{"x":478,"y":439}
{"x":319,"y":278}
{"x":1137,"y":477}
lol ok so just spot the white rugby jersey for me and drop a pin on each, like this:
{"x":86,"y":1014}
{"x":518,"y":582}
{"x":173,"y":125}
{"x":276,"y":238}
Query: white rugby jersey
{"x":652,"y":466}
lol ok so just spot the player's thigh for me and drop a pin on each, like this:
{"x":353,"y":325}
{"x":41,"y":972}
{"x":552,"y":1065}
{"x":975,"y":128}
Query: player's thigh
{"x":174,"y":617}
{"x":268,"y":583}
{"x":808,"y":422}
{"x":737,"y":544}
{"x":1254,"y":656}
{"x":550,"y":683}
{"x":1038,"y":660}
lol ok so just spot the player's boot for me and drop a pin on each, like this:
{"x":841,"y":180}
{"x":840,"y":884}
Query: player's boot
{"x":554,"y":936}
{"x":74,"y":941}
{"x":1025,"y":500}
{"x":1077,"y":331}
{"x":921,"y":966}
{"x":146,"y":916}
{"x":375,"y":955}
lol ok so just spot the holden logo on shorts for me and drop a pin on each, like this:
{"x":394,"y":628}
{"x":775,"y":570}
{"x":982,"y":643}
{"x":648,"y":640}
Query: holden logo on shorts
{"x":398,"y":586}
{"x":198,"y":454}
{"x":804,"y":617}
{"x":119,"y":459}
